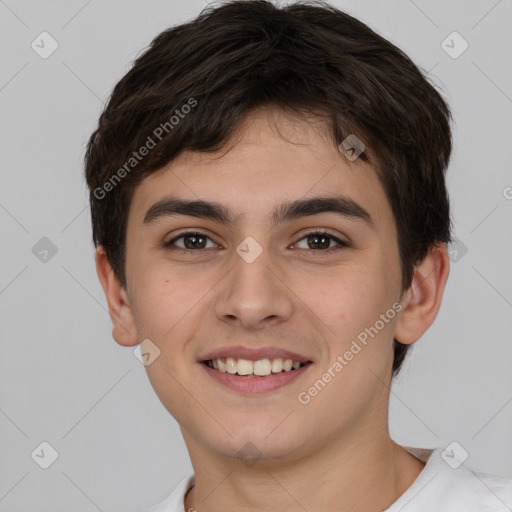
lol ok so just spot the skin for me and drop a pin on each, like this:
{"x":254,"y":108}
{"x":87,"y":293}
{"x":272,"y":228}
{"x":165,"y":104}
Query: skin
{"x":313,"y":304}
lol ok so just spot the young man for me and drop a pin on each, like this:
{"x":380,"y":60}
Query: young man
{"x":270,"y":214}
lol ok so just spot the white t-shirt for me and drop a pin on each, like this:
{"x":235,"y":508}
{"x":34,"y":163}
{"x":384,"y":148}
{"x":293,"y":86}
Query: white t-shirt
{"x":438,"y":488}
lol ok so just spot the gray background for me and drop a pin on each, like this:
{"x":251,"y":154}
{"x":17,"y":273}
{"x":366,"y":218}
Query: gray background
{"x":63,"y":378}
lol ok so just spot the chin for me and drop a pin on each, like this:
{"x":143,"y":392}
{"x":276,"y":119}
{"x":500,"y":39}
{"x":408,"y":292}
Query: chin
{"x":252,"y":443}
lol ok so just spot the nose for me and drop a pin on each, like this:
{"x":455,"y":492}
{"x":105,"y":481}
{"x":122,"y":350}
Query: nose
{"x":254,"y":294}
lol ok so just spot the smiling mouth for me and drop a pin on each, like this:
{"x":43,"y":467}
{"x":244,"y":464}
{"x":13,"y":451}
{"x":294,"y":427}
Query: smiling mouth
{"x":260,"y":368}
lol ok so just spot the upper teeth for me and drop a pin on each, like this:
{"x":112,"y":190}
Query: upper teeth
{"x":261,"y":367}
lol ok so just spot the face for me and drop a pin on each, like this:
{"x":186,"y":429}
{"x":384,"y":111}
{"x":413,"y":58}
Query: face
{"x":267,"y":282}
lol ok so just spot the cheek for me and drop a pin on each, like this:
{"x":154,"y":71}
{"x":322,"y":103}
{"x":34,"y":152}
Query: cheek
{"x":344,"y":298}
{"x":162,"y":294}
{"x":170,"y":304}
{"x":346,"y":307}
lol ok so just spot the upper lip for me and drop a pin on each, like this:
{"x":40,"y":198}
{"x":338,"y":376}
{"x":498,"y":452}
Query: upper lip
{"x":254,"y":354}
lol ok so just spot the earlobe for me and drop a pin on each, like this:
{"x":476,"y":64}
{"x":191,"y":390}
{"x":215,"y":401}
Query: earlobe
{"x":422,"y":301}
{"x":119,"y":307}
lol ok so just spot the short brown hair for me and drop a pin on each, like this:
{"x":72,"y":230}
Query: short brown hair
{"x":308,"y":57}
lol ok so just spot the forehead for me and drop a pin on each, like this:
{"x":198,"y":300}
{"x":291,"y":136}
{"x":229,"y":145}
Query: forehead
{"x":271,"y":158}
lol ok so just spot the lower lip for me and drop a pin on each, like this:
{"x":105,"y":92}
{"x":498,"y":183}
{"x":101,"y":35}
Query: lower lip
{"x":255,"y":385}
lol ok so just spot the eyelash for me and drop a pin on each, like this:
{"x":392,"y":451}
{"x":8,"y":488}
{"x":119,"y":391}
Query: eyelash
{"x":168,"y":245}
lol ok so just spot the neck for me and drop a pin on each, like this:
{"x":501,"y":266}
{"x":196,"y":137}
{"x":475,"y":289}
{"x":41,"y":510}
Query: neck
{"x":347,"y":475}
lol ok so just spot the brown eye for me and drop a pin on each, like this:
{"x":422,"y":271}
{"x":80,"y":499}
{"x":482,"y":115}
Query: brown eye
{"x":321,"y":240}
{"x":192,"y":240}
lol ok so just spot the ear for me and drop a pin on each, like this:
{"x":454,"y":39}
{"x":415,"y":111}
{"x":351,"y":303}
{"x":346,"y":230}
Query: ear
{"x":422,"y":300}
{"x":123,"y":331}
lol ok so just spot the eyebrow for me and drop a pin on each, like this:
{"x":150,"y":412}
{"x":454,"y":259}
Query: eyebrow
{"x":340,"y":205}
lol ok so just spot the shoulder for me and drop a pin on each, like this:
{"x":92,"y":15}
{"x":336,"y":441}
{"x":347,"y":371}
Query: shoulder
{"x":447,"y":486}
{"x":489,"y":492}
{"x":479,"y":492}
{"x":175,"y":501}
